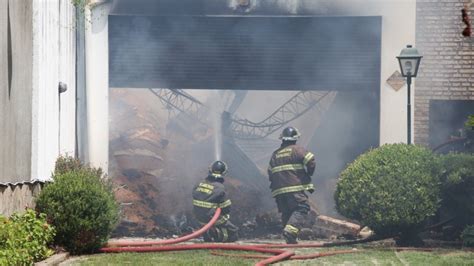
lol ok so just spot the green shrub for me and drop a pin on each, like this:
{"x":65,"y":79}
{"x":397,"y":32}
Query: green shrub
{"x":391,"y":189}
{"x":24,"y":238}
{"x":458,"y":186}
{"x":467,"y":236}
{"x":470,"y":122}
{"x":82,"y":207}
{"x":66,"y":164}
{"x":469,"y":131}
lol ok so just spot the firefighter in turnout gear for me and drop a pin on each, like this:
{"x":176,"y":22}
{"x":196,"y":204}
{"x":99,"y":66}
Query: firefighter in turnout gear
{"x":210,"y":194}
{"x":290,"y":171}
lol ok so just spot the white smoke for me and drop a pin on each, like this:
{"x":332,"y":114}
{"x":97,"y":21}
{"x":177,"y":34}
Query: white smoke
{"x":237,"y":5}
{"x":291,"y":6}
{"x":216,"y":108}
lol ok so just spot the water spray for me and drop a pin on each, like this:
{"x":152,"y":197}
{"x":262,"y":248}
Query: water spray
{"x":217,"y":109}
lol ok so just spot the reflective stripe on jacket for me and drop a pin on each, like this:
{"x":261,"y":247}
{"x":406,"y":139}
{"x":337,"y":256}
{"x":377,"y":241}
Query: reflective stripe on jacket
{"x":208,"y":195}
{"x":208,"y":205}
{"x":290,"y":169}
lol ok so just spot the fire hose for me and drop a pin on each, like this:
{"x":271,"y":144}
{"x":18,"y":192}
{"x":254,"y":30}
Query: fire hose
{"x":169,"y":241}
{"x":278,"y":254}
{"x":295,"y":257}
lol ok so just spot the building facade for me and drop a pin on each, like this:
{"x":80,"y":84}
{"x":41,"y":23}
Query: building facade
{"x":43,"y":43}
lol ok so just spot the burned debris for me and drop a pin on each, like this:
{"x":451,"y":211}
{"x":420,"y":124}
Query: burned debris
{"x":155,"y":172}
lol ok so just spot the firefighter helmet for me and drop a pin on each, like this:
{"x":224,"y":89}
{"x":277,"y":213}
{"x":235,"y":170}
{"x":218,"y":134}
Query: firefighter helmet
{"x":290,"y":134}
{"x":218,"y":169}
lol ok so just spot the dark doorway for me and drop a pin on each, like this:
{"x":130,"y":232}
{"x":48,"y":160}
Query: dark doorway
{"x":447,"y":118}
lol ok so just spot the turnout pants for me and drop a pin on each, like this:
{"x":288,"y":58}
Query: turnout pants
{"x":222,"y":233}
{"x":294,"y":209}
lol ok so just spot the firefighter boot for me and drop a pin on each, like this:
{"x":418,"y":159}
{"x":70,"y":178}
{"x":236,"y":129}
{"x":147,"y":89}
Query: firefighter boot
{"x":211,"y":235}
{"x":207,"y":237}
{"x":290,"y":238}
{"x":290,"y":233}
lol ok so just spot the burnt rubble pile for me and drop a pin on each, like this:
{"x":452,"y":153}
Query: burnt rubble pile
{"x":268,"y":225}
{"x":136,"y":159}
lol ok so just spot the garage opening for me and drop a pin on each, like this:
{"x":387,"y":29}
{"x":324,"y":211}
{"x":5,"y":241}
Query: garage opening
{"x":188,"y":89}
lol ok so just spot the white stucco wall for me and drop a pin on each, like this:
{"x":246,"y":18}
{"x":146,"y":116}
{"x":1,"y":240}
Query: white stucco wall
{"x":399,"y":25}
{"x":398,"y":30}
{"x":53,"y":132}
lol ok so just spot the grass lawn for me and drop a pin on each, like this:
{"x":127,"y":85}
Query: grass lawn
{"x":390,"y":257}
{"x":365,"y":257}
{"x":198,"y":257}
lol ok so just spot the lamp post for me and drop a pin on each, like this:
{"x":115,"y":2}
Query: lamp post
{"x":409,"y":60}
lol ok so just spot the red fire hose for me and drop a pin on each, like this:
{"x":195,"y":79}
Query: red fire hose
{"x":296,"y":257}
{"x":279,"y":254}
{"x":282,"y":256}
{"x":169,"y":241}
{"x":165,"y":245}
{"x":322,"y":254}
{"x":324,"y":244}
{"x":147,"y":246}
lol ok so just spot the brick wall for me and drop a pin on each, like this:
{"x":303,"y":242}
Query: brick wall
{"x":447,"y":68}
